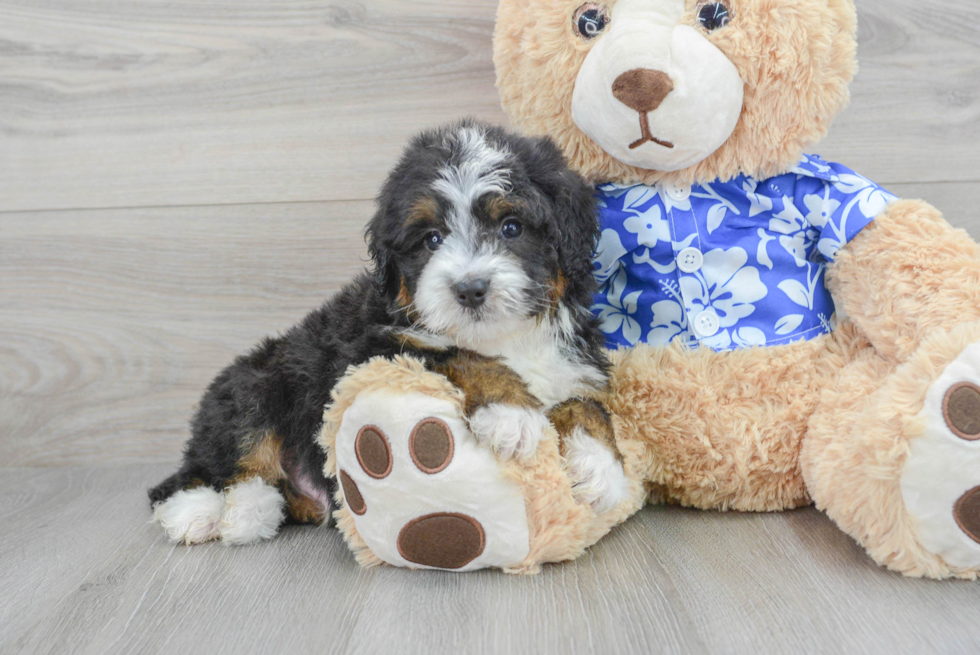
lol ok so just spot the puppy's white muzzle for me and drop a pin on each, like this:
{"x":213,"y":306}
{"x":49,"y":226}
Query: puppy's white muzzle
{"x":460,"y":260}
{"x":696,"y":116}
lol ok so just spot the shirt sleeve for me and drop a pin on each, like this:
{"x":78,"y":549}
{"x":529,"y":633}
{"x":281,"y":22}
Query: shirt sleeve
{"x":838,"y":203}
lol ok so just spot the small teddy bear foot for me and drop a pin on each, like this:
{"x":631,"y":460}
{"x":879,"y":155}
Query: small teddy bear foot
{"x":509,"y":430}
{"x":423,"y":492}
{"x":941,"y":478}
{"x":598,"y":478}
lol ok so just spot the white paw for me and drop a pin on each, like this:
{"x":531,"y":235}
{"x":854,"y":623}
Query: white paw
{"x":253,"y":511}
{"x":191,"y":516}
{"x":509,"y":430}
{"x":597,"y":476}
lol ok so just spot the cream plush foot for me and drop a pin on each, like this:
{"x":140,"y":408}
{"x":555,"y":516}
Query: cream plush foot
{"x":941,"y":479}
{"x":423,"y":491}
{"x":893,"y":456}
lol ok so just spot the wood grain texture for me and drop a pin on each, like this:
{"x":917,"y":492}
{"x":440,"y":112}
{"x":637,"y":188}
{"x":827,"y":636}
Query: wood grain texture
{"x":158,"y":103}
{"x":93,"y":577}
{"x":113,"y":322}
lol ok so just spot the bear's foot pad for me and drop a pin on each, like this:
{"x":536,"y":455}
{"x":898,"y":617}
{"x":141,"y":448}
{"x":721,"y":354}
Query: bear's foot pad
{"x":941,"y":479}
{"x":422,"y":491}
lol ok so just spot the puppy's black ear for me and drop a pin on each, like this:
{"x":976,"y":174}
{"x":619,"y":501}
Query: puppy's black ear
{"x":387,"y":279}
{"x":576,"y":215}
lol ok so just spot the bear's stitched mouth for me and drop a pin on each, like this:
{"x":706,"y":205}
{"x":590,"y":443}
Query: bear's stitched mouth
{"x":645,"y":135}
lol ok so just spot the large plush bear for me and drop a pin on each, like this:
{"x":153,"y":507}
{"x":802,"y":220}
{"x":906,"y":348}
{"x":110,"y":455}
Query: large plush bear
{"x":782,"y":330}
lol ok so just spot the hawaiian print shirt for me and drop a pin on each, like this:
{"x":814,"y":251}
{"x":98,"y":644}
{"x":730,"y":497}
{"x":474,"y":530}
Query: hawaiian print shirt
{"x":727,"y":264}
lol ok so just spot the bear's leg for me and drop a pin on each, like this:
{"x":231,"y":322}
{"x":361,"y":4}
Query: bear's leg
{"x":892,"y":454}
{"x":907,"y":273}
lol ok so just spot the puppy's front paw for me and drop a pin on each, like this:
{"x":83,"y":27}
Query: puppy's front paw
{"x":597,"y":476}
{"x":509,"y":430}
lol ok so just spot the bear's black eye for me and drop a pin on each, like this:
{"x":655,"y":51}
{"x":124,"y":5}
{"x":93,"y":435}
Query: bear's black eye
{"x":511,"y":229}
{"x":590,"y":19}
{"x":433,"y":240}
{"x":714,"y":16}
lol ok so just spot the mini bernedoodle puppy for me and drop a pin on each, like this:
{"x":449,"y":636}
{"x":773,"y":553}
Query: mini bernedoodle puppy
{"x":482,"y":267}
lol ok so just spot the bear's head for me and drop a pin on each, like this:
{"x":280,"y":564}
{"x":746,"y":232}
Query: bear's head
{"x":676,"y":91}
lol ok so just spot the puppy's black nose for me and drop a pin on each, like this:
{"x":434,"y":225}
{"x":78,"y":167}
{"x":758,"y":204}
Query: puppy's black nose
{"x":471,"y":293}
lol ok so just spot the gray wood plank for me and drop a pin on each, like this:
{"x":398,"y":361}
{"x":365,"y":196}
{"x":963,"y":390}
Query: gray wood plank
{"x":161,"y":102}
{"x":112,"y":323}
{"x":83,"y":572}
{"x":153,"y":102}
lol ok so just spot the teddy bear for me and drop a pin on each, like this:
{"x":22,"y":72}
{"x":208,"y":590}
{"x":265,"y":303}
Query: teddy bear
{"x":782,"y":330}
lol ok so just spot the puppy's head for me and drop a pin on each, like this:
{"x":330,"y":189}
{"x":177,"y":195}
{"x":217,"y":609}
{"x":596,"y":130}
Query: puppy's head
{"x":478,"y":230}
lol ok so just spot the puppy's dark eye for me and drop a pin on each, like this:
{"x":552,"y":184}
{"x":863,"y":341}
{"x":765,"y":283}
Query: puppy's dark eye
{"x":590,"y":19}
{"x":511,"y":229}
{"x":433,"y":240}
{"x":714,"y":15}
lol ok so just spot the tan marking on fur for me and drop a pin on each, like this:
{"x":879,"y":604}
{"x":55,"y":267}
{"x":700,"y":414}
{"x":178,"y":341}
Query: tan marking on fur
{"x":588,"y":414}
{"x":302,"y":508}
{"x":485,"y":380}
{"x":405,"y":300}
{"x":500,"y":207}
{"x":263,"y":459}
{"x":557,"y":289}
{"x":424,"y":210}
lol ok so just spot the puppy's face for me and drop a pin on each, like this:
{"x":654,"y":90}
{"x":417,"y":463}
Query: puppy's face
{"x":475,"y":234}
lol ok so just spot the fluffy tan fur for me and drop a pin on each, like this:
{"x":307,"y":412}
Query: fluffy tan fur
{"x":858,"y":441}
{"x":795,"y":58}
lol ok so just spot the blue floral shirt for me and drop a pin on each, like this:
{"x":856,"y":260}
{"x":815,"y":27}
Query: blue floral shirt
{"x":727,"y":264}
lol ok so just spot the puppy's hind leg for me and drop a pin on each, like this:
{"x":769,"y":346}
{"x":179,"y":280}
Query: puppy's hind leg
{"x":253,"y":511}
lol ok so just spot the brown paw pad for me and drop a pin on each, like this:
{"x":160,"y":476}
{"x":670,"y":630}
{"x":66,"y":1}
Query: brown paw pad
{"x":961,"y":409}
{"x":967,"y":513}
{"x":431,"y":445}
{"x":373,"y":452}
{"x":352,"y":494}
{"x":445,"y":541}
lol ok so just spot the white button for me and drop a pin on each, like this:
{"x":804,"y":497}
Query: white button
{"x":690,"y":260}
{"x":678,"y":193}
{"x":706,"y":323}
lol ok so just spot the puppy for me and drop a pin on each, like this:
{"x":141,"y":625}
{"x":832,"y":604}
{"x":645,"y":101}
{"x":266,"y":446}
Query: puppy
{"x":481,"y":249}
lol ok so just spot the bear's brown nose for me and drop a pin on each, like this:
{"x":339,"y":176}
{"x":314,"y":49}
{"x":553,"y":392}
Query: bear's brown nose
{"x":642,"y":89}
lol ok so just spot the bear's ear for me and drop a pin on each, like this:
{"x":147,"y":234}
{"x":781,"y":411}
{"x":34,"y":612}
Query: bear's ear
{"x":576,"y":217}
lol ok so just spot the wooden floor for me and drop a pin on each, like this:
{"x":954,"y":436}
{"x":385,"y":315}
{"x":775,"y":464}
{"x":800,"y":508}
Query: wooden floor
{"x":179,"y":178}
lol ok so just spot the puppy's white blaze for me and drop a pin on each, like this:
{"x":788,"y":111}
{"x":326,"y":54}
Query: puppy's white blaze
{"x":480,"y":171}
{"x":509,"y":430}
{"x":191,"y":516}
{"x":597,"y":476}
{"x":506,"y":304}
{"x":253,"y":511}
